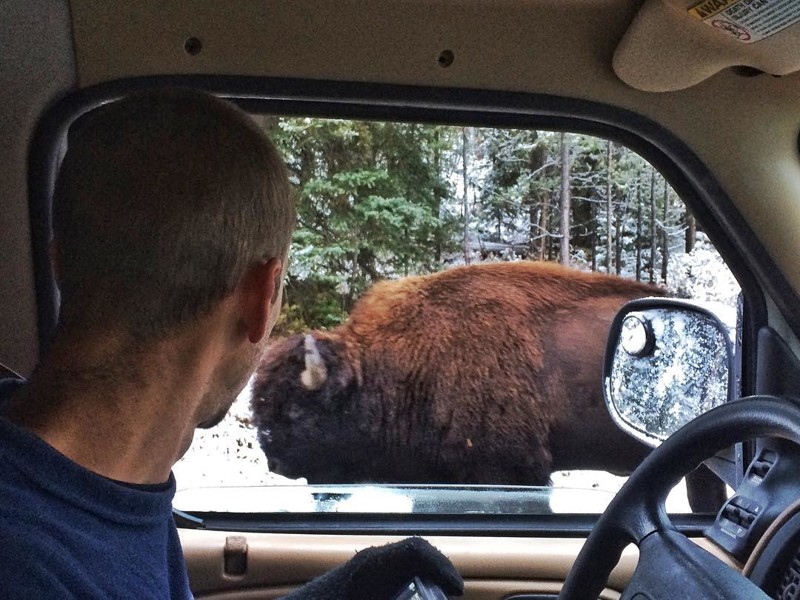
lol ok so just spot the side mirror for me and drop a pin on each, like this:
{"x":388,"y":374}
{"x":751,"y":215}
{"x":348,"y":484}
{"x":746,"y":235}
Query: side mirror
{"x":667,"y":362}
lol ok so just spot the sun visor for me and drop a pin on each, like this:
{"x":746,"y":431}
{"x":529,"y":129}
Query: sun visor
{"x":674,"y":44}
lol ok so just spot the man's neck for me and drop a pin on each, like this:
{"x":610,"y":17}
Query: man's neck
{"x":128,"y":419}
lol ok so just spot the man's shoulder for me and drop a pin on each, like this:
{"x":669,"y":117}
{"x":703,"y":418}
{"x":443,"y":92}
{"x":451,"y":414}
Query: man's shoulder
{"x":55,"y":561}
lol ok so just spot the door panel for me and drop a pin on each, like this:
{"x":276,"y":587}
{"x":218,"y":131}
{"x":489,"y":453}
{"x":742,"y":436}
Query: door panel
{"x":493,"y":568}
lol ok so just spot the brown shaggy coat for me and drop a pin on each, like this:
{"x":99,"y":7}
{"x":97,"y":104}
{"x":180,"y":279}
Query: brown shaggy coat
{"x":488,"y":373}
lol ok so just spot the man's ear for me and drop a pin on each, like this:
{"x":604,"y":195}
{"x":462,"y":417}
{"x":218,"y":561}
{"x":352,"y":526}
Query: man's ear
{"x":261,"y":290}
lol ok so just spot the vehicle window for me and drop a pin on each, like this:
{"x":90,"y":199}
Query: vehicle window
{"x":439,"y":381}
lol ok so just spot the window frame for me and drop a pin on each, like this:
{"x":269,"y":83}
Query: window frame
{"x":688,"y":176}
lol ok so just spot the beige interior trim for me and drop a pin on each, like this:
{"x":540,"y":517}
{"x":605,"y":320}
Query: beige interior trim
{"x":666,"y":48}
{"x":285,"y":560}
{"x":36,"y":66}
{"x":492,"y":567}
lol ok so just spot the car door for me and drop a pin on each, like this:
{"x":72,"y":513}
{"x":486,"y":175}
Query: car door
{"x":720,"y":146}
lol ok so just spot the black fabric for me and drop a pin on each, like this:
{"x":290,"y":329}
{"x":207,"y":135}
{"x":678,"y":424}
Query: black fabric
{"x":7,"y":389}
{"x":379,"y":573}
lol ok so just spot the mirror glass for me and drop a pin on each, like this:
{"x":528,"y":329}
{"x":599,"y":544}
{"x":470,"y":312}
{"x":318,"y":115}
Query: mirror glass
{"x":669,"y":365}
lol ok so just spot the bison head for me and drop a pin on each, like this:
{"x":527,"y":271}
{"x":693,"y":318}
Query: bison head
{"x":304,"y":404}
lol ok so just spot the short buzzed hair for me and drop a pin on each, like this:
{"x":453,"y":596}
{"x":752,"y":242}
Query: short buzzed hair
{"x":163,"y":201}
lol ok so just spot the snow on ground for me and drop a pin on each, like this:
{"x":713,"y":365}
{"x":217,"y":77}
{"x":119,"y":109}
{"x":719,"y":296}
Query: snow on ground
{"x":227,"y":454}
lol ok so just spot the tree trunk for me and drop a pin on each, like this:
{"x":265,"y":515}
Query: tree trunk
{"x":664,"y":235}
{"x":652,"y":263}
{"x":544,"y":230}
{"x":536,"y":161}
{"x":465,"y":183}
{"x":564,"y":258}
{"x":618,"y":241}
{"x":608,"y":207}
{"x":437,"y":191}
{"x":594,"y":236}
{"x":639,"y":228}
{"x":691,"y":231}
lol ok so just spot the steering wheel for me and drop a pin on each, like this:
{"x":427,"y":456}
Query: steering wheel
{"x":670,"y":565}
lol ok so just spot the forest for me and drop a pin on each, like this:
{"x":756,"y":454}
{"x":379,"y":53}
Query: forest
{"x":383,"y":200}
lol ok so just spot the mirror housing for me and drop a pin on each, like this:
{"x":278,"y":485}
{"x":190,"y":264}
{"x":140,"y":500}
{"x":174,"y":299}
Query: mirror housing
{"x":667,"y":361}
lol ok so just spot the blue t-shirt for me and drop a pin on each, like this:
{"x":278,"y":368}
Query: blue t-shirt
{"x":66,"y":532}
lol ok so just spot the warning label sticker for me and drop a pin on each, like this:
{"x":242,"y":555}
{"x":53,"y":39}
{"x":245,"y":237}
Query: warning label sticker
{"x":748,"y":20}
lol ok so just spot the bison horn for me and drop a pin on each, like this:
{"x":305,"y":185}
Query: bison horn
{"x":315,"y":372}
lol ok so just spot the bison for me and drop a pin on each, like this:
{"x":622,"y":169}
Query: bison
{"x":487,"y":374}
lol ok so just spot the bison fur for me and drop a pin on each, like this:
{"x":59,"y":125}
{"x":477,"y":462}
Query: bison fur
{"x":479,"y":374}
{"x":487,"y":374}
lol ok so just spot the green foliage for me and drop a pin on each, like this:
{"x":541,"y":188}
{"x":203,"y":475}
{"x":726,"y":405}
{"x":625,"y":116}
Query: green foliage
{"x":383,"y":200}
{"x":371,"y":199}
{"x":309,"y":304}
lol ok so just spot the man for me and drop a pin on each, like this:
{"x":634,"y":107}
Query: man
{"x":172,"y":221}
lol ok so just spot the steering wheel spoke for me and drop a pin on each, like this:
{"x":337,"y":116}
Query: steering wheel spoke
{"x":672,"y":566}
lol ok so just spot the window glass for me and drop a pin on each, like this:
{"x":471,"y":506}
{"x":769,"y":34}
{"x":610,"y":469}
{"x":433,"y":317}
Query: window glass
{"x":454,"y":386}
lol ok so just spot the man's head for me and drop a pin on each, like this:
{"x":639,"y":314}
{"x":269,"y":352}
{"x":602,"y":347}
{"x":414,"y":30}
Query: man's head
{"x":170,"y":208}
{"x":163,"y":202}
